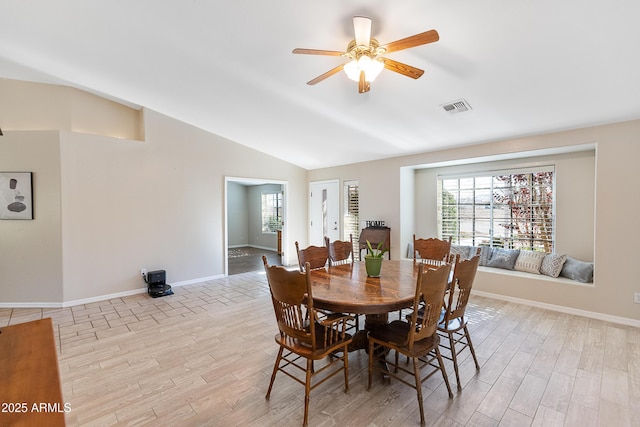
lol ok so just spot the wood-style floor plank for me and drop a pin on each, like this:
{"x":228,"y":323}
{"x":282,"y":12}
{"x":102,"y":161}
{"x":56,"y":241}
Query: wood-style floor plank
{"x":203,"y":357}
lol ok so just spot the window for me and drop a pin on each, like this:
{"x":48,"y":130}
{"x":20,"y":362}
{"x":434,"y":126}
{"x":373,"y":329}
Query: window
{"x":509,"y":209}
{"x":351,"y":212}
{"x":271,"y":212}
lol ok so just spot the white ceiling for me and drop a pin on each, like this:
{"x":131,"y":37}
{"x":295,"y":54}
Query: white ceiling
{"x":525,"y":67}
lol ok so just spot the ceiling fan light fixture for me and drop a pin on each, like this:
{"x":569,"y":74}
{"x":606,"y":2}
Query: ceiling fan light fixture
{"x":365,"y":55}
{"x":371,"y":67}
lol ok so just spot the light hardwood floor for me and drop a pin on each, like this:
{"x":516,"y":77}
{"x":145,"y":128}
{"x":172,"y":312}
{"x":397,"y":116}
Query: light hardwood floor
{"x":203,"y":357}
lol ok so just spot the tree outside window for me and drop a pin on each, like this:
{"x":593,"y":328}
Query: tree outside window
{"x":510,"y":210}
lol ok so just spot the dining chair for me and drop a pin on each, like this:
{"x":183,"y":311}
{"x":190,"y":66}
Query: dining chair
{"x":302,"y":335}
{"x":417,"y":339}
{"x":315,"y":256}
{"x":432,"y":251}
{"x":453,"y":327}
{"x":340,"y":251}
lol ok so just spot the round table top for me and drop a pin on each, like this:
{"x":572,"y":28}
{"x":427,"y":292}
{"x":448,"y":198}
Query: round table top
{"x":346,"y":288}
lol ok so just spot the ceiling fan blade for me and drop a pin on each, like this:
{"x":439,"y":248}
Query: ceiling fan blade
{"x":318,"y":52}
{"x":404,"y":69}
{"x":363,"y":85}
{"x":412,"y":41}
{"x":329,"y":73}
{"x":362,"y":30}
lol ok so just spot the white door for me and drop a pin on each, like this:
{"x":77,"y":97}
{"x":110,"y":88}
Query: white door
{"x":324,"y":212}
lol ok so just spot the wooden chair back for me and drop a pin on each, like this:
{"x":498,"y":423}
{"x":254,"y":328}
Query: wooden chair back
{"x":431,"y":286}
{"x":340,"y":251}
{"x":316,"y":256}
{"x":432,"y":251}
{"x":292,"y":302}
{"x":303,"y":336}
{"x":464,"y":274}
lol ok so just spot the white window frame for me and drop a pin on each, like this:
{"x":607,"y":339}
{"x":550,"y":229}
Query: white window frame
{"x":267,"y":211}
{"x":351,"y":216}
{"x":497,"y":233}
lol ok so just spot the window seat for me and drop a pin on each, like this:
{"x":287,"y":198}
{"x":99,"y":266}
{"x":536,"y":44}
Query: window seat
{"x":538,"y":290}
{"x":489,"y":273}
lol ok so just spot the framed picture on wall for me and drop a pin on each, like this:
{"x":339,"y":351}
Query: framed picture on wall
{"x":16,"y":195}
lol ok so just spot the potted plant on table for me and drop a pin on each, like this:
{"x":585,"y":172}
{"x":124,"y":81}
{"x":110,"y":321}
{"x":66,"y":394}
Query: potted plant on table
{"x":373,"y":259}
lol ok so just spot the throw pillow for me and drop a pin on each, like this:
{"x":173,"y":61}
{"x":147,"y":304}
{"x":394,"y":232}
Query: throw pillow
{"x":552,"y":264}
{"x":529,"y":261}
{"x":410,"y":250}
{"x":485,"y":254}
{"x":463,"y":251}
{"x":503,"y":258}
{"x":577,"y":270}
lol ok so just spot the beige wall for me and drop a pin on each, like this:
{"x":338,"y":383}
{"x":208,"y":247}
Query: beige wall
{"x":37,"y":106}
{"x":107,"y":207}
{"x":30,"y":250}
{"x":611,"y":241}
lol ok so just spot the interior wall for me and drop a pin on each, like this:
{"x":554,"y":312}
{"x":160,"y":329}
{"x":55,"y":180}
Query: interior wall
{"x":617,"y":148}
{"x":39,"y":106}
{"x":238,"y":214}
{"x":107,"y":207}
{"x":157,"y":204}
{"x":30,"y":250}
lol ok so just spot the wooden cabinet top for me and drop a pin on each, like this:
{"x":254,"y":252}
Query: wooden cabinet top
{"x":29,"y":378}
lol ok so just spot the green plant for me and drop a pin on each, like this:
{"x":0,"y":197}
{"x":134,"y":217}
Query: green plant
{"x":378,"y":252}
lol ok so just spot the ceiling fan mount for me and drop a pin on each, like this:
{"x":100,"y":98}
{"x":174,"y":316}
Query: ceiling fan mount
{"x":355,"y":51}
{"x":365,"y":55}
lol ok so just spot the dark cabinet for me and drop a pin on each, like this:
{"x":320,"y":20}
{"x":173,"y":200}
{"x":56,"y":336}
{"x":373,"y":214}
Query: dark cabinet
{"x":374,"y":235}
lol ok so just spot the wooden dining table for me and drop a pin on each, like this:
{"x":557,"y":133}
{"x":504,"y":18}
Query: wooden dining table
{"x":347,"y":289}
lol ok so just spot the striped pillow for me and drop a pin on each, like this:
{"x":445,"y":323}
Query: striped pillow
{"x":529,"y":261}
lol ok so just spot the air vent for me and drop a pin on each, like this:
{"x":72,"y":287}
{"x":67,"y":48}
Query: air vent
{"x":459,"y":106}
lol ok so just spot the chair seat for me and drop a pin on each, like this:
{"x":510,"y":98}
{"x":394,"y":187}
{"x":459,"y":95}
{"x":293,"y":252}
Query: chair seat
{"x":453,"y":325}
{"x":397,"y":332}
{"x":418,"y":340}
{"x":304,"y":349}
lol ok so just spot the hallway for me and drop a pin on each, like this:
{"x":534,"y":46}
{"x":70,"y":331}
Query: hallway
{"x":246,"y":259}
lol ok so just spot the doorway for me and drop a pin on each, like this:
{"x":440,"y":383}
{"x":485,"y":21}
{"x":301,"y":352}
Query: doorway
{"x":255,"y":223}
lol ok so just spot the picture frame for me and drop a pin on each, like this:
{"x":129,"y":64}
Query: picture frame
{"x":16,"y":195}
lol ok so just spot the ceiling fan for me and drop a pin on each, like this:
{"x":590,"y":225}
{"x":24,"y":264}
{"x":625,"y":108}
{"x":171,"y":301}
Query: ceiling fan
{"x":365,"y":55}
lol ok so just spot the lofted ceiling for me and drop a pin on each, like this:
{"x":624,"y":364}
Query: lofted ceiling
{"x":525,"y":67}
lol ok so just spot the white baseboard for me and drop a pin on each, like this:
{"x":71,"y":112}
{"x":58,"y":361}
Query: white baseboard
{"x":30,"y":305}
{"x":561,"y":309}
{"x":558,"y":308}
{"x":263,"y":248}
{"x":253,"y":246}
{"x":100,"y":297}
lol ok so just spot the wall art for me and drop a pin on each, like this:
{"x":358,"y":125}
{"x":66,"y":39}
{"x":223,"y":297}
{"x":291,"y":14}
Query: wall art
{"x":16,"y":195}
